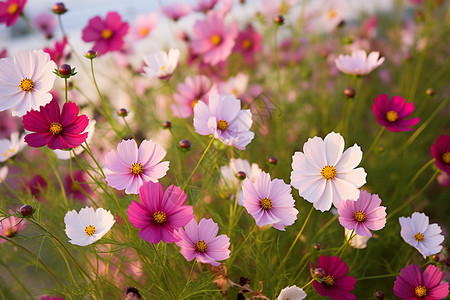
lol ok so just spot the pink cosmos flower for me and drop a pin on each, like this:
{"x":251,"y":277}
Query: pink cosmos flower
{"x":54,"y":128}
{"x":161,"y":213}
{"x":413,"y":285}
{"x":129,"y":168}
{"x":335,"y":284}
{"x":205,"y":5}
{"x":248,"y":43}
{"x":213,"y":40}
{"x":46,"y":23}
{"x":57,"y":54}
{"x":10,"y":11}
{"x":269,"y":202}
{"x":441,"y":153}
{"x":189,"y":93}
{"x":176,"y":11}
{"x":392,"y":114}
{"x":201,"y":242}
{"x":10,"y":226}
{"x":107,"y":34}
{"x":224,"y":118}
{"x":359,"y":63}
{"x":144,"y":25}
{"x":363,"y":214}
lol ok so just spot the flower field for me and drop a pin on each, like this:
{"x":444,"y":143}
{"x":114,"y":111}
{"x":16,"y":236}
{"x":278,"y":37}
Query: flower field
{"x":260,"y":150}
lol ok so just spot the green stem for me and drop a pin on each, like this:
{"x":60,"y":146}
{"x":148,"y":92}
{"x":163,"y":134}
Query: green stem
{"x":346,"y":243}
{"x":198,"y":163}
{"x":377,"y":276}
{"x":190,"y":276}
{"x":65,"y":90}
{"x":374,"y":143}
{"x":77,"y":184}
{"x":129,"y":129}
{"x":241,"y":245}
{"x":311,"y":281}
{"x":61,"y":185}
{"x":13,"y":275}
{"x":163,"y":267}
{"x":233,"y":214}
{"x":430,"y":162}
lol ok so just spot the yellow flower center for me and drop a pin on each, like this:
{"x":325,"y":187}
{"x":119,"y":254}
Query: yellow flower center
{"x":201,"y":246}
{"x":13,"y":8}
{"x":26,"y":85}
{"x":331,"y":14}
{"x":266,"y":203}
{"x":162,"y":68}
{"x":194,"y":103}
{"x":235,"y":92}
{"x":222,"y":125}
{"x":90,"y":230}
{"x":328,"y":172}
{"x":55,"y":128}
{"x":144,"y":31}
{"x":107,"y":34}
{"x":359,"y":216}
{"x":328,"y":280}
{"x":446,"y":157}
{"x":10,"y":150}
{"x":391,"y":116}
{"x":137,"y":169}
{"x":246,"y":44}
{"x":10,"y":232}
{"x":420,"y":291}
{"x":419,"y":237}
{"x":159,"y":217}
{"x":216,"y":39}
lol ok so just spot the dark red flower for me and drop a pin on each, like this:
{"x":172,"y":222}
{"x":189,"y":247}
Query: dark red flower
{"x":55,"y":128}
{"x":335,"y":284}
{"x":441,"y":152}
{"x":393,"y":113}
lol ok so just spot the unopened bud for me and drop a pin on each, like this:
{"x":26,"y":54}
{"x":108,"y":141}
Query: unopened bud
{"x":91,"y":54}
{"x":65,"y":70}
{"x":317,"y":247}
{"x":319,"y":273}
{"x":59,"y":8}
{"x":379,"y":295}
{"x":185,"y":144}
{"x":273,"y":160}
{"x":241,"y":175}
{"x":349,"y":92}
{"x":122,"y":112}
{"x":132,"y":293}
{"x":436,"y":258}
{"x":167,"y":125}
{"x":429,"y":92}
{"x":26,"y":210}
{"x":279,"y":20}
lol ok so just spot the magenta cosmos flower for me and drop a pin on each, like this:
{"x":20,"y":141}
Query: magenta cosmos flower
{"x":248,"y":43}
{"x":269,"y":202}
{"x":57,"y":54}
{"x":10,"y":11}
{"x":213,"y":40}
{"x":201,"y":242}
{"x":392,"y":114}
{"x":335,"y":284}
{"x":192,"y":90}
{"x":129,"y":168}
{"x":413,"y":285}
{"x":441,"y":152}
{"x":224,"y":118}
{"x":54,"y":128}
{"x":107,"y":34}
{"x":160,"y":213}
{"x":362,"y":215}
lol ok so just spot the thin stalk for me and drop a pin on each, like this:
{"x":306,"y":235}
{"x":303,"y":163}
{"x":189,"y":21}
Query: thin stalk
{"x":13,"y":275}
{"x":61,"y":185}
{"x":198,"y":163}
{"x":163,"y":267}
{"x":230,"y":262}
{"x":346,"y":243}
{"x":430,"y":162}
{"x":190,"y":276}
{"x":76,"y":182}
{"x":129,"y":129}
{"x":374,"y":143}
{"x":311,"y":281}
{"x":377,"y":276}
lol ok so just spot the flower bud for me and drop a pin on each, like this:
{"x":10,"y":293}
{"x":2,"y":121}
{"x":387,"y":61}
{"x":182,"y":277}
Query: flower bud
{"x":429,"y":92}
{"x":122,"y":112}
{"x":65,"y":70}
{"x":91,"y":54}
{"x":436,"y":258}
{"x":273,"y":160}
{"x":59,"y":8}
{"x":241,"y":175}
{"x":185,"y":144}
{"x":317,"y":247}
{"x":379,"y":295}
{"x":349,"y":92}
{"x":319,"y":273}
{"x":26,"y":210}
{"x":279,"y":20}
{"x":167,"y":125}
{"x":132,"y":293}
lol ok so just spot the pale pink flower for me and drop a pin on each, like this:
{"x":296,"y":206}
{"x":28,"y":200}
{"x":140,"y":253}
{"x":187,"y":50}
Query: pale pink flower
{"x":144,"y":25}
{"x":46,"y":23}
{"x":359,"y":63}
{"x":176,"y":11}
{"x":10,"y":226}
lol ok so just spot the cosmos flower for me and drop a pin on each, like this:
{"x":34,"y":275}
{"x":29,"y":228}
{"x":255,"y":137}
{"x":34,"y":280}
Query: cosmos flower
{"x":269,"y":202}
{"x":25,"y":81}
{"x":54,"y":128}
{"x":362,"y":215}
{"x":10,"y":11}
{"x":393,"y":114}
{"x":248,"y":43}
{"x":236,"y":85}
{"x":3,"y":173}
{"x":205,"y":5}
{"x":88,"y":226}
{"x":90,"y":130}
{"x":419,"y":233}
{"x":176,"y":11}
{"x":357,"y":241}
{"x":359,"y":63}
{"x":201,"y":242}
{"x":161,"y":64}
{"x":413,"y":285}
{"x":335,"y":284}
{"x":57,"y":54}
{"x":161,"y":213}
{"x":324,"y":175}
{"x":441,"y":153}
{"x":11,"y":225}
{"x":12,"y":146}
{"x":129,"y":168}
{"x":144,"y":25}
{"x":224,"y":118}
{"x":213,"y":39}
{"x":46,"y":23}
{"x":106,"y":34}
{"x":291,"y":293}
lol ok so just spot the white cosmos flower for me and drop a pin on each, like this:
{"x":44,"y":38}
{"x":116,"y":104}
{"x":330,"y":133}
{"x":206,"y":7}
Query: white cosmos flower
{"x":419,"y":233}
{"x":160,"y":64}
{"x":236,"y":85}
{"x":292,"y":293}
{"x":9,"y":148}
{"x":90,"y":129}
{"x":359,"y":63}
{"x":3,"y":173}
{"x":25,"y":81}
{"x":88,"y":226}
{"x":358,"y":241}
{"x":324,"y":175}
